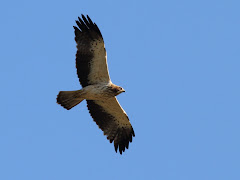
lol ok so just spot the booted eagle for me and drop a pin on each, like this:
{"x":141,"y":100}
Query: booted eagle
{"x":98,"y":89}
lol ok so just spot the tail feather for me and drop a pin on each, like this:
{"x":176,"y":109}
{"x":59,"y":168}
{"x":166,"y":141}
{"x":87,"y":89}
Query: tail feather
{"x":69,"y":99}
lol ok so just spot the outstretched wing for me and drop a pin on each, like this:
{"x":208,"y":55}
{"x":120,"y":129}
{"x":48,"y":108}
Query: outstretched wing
{"x":91,"y":57}
{"x":112,"y":119}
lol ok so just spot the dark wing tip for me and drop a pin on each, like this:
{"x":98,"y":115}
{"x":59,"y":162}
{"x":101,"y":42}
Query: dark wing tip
{"x":86,"y":24}
{"x":83,"y":17}
{"x":133,"y":133}
{"x":116,"y":147}
{"x":89,"y":19}
{"x":122,"y":139}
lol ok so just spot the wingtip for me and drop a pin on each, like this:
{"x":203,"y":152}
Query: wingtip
{"x":116,"y":147}
{"x":127,"y":144}
{"x":133,"y":133}
{"x":89,"y":19}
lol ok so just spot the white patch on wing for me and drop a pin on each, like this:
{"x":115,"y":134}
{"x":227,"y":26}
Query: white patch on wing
{"x":99,"y":68}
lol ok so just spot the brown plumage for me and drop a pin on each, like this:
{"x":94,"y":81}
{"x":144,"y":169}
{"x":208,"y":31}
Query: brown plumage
{"x":98,"y":90}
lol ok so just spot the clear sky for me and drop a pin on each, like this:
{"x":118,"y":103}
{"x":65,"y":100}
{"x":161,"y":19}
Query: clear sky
{"x":179,"y":62}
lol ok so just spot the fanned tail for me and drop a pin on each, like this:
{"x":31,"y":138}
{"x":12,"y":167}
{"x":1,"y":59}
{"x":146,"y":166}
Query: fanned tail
{"x":69,"y":99}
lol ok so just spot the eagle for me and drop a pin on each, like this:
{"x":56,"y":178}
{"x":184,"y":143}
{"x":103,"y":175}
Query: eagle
{"x":97,"y":87}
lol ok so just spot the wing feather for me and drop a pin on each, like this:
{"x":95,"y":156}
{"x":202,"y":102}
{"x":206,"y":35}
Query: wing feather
{"x":113,"y":121}
{"x":91,"y":58}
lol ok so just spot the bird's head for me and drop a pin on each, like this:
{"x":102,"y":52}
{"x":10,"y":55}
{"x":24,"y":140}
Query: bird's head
{"x":117,"y":90}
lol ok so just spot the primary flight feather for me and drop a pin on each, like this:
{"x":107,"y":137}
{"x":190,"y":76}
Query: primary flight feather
{"x":98,"y":90}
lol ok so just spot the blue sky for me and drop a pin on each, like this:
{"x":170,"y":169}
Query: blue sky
{"x":179,"y":63}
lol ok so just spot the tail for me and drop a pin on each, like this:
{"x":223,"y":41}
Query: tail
{"x":69,"y":99}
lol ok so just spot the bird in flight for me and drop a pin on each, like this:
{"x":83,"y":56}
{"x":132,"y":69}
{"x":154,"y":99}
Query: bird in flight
{"x":97,"y":87}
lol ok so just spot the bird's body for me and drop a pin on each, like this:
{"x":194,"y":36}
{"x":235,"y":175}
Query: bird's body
{"x":98,"y":90}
